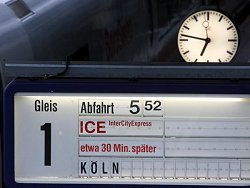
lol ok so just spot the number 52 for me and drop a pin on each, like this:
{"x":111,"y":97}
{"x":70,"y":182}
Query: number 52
{"x":148,"y":106}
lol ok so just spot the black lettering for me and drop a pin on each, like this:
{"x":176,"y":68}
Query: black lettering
{"x":96,"y":108}
{"x":37,"y":106}
{"x":54,"y":107}
{"x":46,"y":107}
{"x":43,"y":106}
{"x":115,"y":168}
{"x":92,"y":109}
{"x":112,"y":108}
{"x":103,"y":168}
{"x":83,"y":168}
{"x":83,"y":108}
{"x":93,"y":167}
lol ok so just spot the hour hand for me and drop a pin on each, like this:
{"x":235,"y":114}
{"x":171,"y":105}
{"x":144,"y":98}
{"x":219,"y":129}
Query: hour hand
{"x":193,"y":37}
{"x":208,"y":40}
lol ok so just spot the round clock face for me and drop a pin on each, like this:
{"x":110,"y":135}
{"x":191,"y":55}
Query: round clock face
{"x":208,"y":36}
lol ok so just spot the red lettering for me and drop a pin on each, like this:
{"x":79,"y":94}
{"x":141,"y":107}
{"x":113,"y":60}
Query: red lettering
{"x":89,"y":148}
{"x":100,"y":127}
{"x":81,"y":127}
{"x":87,"y":129}
{"x":92,"y":127}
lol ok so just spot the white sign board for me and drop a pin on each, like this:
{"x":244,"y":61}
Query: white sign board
{"x":131,"y":138}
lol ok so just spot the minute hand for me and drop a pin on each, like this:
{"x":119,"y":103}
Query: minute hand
{"x":198,"y":38}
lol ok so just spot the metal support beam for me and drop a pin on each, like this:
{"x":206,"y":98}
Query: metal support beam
{"x":123,"y":70}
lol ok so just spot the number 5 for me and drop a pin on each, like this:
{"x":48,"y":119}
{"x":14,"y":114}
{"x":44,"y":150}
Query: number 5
{"x":136,"y":107}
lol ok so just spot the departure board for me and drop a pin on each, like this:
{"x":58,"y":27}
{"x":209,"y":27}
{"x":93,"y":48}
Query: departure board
{"x":79,"y":138}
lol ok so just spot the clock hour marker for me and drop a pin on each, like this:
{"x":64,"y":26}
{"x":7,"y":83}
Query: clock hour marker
{"x":196,"y":60}
{"x":232,"y":40}
{"x":220,"y":18}
{"x":208,"y":16}
{"x":230,"y":53}
{"x":183,"y":39}
{"x":195,"y":18}
{"x":230,"y":28}
{"x":186,"y":52}
{"x":220,"y":60}
{"x":186,"y":27}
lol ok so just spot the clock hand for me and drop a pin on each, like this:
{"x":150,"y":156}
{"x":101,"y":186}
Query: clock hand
{"x":205,"y":24}
{"x":206,"y":32}
{"x":193,"y":37}
{"x":208,"y":40}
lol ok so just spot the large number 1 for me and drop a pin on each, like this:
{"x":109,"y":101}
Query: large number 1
{"x":47,"y":143}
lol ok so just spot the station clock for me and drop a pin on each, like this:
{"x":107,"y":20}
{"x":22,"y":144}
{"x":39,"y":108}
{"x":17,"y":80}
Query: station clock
{"x":208,"y":36}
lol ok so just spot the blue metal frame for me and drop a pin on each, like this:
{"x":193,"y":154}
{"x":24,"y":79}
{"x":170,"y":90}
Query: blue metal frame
{"x":97,"y":86}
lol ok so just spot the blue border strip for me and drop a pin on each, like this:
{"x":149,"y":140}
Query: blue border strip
{"x":80,"y":86}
